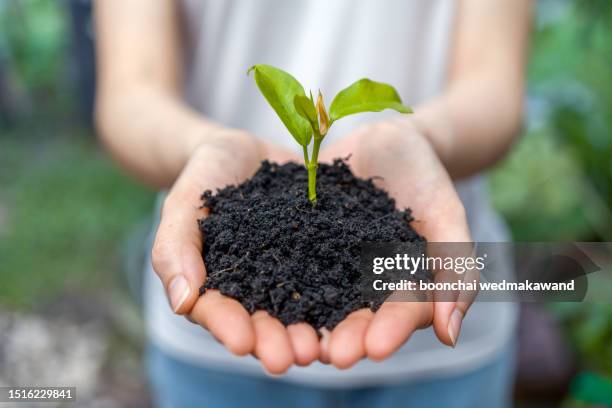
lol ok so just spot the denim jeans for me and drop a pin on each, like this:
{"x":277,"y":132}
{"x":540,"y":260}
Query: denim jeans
{"x":178,"y":384}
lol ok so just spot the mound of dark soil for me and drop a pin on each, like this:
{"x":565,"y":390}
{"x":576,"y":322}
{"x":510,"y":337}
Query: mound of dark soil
{"x":268,"y":247}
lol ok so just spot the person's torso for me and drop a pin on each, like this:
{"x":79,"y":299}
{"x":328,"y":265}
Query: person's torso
{"x":325,"y":44}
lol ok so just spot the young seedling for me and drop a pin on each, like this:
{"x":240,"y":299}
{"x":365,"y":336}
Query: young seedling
{"x":307,"y":120}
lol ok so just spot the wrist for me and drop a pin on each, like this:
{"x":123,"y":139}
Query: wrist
{"x":197,"y":137}
{"x":226,"y":145}
{"x":433,"y":123}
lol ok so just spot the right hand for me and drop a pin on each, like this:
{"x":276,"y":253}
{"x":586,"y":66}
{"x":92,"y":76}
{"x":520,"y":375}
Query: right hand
{"x":407,"y":166}
{"x":224,"y":158}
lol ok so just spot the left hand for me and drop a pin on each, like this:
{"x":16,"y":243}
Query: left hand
{"x":410,"y":171}
{"x":224,"y":157}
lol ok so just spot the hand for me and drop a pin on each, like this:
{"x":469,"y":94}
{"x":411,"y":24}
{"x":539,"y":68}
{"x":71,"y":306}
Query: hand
{"x":227,"y":157}
{"x":413,"y":175}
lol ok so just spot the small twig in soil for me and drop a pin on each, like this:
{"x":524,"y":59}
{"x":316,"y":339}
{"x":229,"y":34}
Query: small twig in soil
{"x":381,"y":218}
{"x":233,"y":267}
{"x":304,"y":211}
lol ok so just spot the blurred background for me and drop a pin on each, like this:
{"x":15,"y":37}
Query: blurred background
{"x":72,"y":228}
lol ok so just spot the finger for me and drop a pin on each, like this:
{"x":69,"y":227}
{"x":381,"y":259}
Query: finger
{"x":324,"y":345}
{"x":304,"y":342}
{"x":450,"y":307}
{"x":177,"y":251}
{"x":272,"y":344}
{"x":441,"y":218}
{"x":227,"y":321}
{"x":448,"y":317}
{"x":393,"y":324}
{"x":444,"y":304}
{"x":347,"y":344}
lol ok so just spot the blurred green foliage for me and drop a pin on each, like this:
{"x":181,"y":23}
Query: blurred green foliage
{"x":67,"y":210}
{"x":34,"y":44}
{"x":557,"y":183}
{"x":35,"y":38}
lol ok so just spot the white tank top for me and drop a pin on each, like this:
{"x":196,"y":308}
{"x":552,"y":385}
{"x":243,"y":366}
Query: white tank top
{"x":327,"y":45}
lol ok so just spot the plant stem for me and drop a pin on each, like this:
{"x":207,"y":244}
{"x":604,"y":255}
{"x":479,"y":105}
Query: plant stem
{"x":312,"y":182}
{"x":312,"y":169}
{"x":305,"y":150}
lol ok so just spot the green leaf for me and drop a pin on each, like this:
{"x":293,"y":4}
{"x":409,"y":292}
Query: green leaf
{"x":280,"y":89}
{"x":366,"y":95}
{"x":306,"y":109}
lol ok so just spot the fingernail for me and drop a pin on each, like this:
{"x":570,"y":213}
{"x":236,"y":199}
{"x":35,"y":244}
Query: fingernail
{"x":178,"y":292}
{"x":454,"y":325}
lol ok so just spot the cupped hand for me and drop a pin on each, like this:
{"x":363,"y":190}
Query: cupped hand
{"x":406,"y":165}
{"x":223,"y":158}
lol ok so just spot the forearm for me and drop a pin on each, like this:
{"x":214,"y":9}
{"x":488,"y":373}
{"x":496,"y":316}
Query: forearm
{"x":473,"y":124}
{"x":149,"y":132}
{"x":140,"y":113}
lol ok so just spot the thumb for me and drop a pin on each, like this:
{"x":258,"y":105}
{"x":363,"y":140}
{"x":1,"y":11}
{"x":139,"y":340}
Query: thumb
{"x":177,"y":250}
{"x":450,"y":307}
